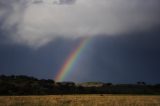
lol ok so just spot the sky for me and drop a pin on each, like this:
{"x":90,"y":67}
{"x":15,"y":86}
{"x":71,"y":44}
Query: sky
{"x":36,"y":37}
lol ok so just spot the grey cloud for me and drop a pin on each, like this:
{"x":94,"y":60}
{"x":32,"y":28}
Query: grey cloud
{"x":40,"y":23}
{"x":67,"y":1}
{"x":38,"y":1}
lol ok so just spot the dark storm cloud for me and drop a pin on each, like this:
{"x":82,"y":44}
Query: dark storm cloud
{"x":128,"y":58}
{"x":43,"y":63}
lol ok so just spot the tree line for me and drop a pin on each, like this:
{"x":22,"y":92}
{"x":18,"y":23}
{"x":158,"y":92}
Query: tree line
{"x":24,"y":85}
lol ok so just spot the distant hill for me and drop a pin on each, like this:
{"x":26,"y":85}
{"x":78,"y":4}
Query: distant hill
{"x":24,"y":85}
{"x":91,"y":84}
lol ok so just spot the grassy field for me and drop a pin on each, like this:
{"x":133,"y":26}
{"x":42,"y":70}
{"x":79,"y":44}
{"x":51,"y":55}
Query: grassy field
{"x":80,"y":100}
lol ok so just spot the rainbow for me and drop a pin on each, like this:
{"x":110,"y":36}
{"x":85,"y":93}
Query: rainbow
{"x":71,"y":60}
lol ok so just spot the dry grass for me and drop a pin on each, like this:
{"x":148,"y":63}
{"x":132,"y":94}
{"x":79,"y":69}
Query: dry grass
{"x":80,"y":100}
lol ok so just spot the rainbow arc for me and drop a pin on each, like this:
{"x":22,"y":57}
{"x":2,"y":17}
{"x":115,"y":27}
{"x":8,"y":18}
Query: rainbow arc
{"x":71,"y":60}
